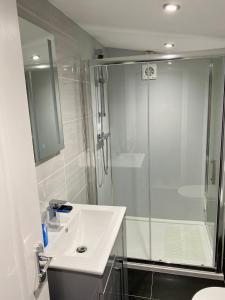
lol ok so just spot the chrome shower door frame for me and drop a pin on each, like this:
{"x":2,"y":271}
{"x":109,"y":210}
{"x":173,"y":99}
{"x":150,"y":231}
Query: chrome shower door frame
{"x":220,"y":233}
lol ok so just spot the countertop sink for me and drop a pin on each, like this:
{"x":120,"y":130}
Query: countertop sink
{"x":86,"y":240}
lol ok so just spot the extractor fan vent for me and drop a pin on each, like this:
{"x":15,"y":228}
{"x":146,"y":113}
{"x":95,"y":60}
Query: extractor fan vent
{"x":149,"y":71}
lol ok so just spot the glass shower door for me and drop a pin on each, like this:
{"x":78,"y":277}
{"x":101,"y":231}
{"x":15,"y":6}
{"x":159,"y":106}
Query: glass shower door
{"x":180,"y":108}
{"x":128,"y":110}
{"x":165,"y":124}
{"x":213,"y":150}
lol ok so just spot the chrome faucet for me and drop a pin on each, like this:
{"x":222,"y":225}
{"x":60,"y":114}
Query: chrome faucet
{"x":53,"y":216}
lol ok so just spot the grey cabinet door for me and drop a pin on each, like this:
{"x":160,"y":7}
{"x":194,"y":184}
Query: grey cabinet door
{"x":114,"y":288}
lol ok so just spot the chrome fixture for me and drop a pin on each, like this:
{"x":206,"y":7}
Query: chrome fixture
{"x":157,"y":57}
{"x":101,"y":138}
{"x":208,"y":129}
{"x":176,"y":270}
{"x":53,"y":215}
{"x":81,"y":249}
{"x":101,"y":79}
{"x":43,"y":263}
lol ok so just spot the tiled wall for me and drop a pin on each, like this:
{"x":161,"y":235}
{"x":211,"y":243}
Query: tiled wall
{"x":65,"y":176}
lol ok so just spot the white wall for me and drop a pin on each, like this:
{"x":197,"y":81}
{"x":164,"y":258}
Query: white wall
{"x":65,"y":176}
{"x":177,"y":134}
{"x":20,"y":224}
{"x":178,"y":118}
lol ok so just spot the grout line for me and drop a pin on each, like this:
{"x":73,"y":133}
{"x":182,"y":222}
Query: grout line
{"x":61,"y":168}
{"x":52,"y":174}
{"x":70,"y":79}
{"x":135,"y":297}
{"x":72,"y":160}
{"x":73,"y":120}
{"x":85,"y":186}
{"x":75,"y":158}
{"x":64,"y":171}
{"x":152,"y":285}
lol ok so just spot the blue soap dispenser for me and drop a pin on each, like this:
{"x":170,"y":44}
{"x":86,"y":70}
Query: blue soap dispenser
{"x":44,"y":228}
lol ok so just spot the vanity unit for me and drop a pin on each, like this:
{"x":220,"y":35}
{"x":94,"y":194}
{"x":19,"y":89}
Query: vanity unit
{"x":89,"y":255}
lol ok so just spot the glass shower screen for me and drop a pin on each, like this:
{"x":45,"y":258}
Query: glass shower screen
{"x":165,"y":123}
{"x":128,"y":111}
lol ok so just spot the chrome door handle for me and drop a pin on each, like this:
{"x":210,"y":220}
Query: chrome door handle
{"x":43,"y":263}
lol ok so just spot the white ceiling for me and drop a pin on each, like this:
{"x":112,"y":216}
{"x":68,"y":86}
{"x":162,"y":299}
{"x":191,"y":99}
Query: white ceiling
{"x":143,"y":25}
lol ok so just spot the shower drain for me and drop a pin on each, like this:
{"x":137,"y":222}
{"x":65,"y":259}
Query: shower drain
{"x":81,"y":249}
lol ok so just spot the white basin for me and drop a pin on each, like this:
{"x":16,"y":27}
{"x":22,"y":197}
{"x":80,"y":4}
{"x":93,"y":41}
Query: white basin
{"x":91,"y":226}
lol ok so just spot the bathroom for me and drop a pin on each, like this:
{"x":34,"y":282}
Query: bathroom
{"x":112,"y":149}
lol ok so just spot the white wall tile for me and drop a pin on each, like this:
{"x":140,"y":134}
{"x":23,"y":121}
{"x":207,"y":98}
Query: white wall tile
{"x":73,"y":139}
{"x":75,"y":177}
{"x":42,"y":197}
{"x":49,"y":167}
{"x":68,"y":59}
{"x":70,"y":99}
{"x":54,"y":187}
{"x":82,"y":197}
{"x":72,"y":45}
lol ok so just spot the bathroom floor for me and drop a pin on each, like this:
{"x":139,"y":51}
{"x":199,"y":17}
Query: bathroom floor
{"x":181,"y":242}
{"x":161,"y":286}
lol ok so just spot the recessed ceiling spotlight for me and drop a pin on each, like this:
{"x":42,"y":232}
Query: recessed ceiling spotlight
{"x":171,"y":8}
{"x":169,"y":45}
{"x":35,"y":57}
{"x":169,"y":62}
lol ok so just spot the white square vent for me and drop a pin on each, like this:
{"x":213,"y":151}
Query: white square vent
{"x":149,"y":71}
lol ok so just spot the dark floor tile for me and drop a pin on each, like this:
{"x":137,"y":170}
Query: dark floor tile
{"x":139,"y":283}
{"x":139,"y":298}
{"x":174,"y":287}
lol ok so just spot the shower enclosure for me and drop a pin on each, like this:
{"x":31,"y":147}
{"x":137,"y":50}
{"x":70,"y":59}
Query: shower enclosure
{"x":163,"y":121}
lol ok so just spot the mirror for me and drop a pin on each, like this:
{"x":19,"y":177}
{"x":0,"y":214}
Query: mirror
{"x":42,"y":90}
